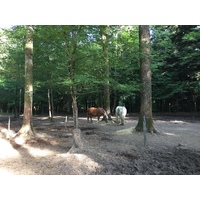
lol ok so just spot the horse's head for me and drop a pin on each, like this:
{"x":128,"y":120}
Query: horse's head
{"x":105,"y":116}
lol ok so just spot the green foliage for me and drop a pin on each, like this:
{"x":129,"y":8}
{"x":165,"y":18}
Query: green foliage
{"x":175,"y":65}
{"x":11,"y":67}
{"x":174,"y":62}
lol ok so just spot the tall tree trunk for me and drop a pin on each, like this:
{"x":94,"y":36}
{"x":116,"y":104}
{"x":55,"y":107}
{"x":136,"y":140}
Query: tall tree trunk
{"x":26,"y":130}
{"x":104,"y":35}
{"x":77,"y":135}
{"x":145,"y":77}
{"x":69,"y":34}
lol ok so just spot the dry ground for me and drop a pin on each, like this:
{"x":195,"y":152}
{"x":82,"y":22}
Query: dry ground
{"x":110,"y":148}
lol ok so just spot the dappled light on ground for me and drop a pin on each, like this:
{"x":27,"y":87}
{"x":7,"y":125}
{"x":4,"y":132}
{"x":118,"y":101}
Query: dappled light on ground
{"x":4,"y":171}
{"x":178,"y":122}
{"x":170,"y":134}
{"x":109,"y":149}
{"x":6,"y":150}
{"x":125,"y":131}
{"x":84,"y":164}
{"x":37,"y":152}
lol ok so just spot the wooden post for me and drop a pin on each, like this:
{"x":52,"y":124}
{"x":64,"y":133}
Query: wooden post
{"x":144,"y":130}
{"x":9,"y":123}
{"x":66,"y":123}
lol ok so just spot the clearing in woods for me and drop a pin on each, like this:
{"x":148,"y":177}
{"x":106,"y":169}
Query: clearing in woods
{"x":111,"y":148}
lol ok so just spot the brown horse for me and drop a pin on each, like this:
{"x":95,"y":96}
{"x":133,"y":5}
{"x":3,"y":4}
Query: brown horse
{"x":96,"y":112}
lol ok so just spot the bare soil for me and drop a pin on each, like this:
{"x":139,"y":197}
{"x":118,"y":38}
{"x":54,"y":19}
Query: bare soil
{"x":109,"y":148}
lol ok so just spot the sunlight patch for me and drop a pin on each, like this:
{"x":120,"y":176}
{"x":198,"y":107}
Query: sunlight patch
{"x":5,"y":133}
{"x":171,"y":134}
{"x":86,"y":161}
{"x":39,"y":152}
{"x":5,"y":172}
{"x":80,"y":161}
{"x":44,"y":118}
{"x":125,"y":131}
{"x":177,"y":122}
{"x":6,"y":150}
{"x":20,"y":140}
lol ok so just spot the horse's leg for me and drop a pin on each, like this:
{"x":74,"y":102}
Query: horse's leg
{"x":89,"y":118}
{"x":122,"y":119}
{"x":116,"y":117}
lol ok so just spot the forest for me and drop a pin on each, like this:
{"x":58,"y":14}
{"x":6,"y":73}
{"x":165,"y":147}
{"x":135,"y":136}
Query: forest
{"x":50,"y":75}
{"x":105,"y":64}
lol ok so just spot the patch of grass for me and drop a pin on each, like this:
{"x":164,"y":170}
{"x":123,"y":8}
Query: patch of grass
{"x":125,"y":131}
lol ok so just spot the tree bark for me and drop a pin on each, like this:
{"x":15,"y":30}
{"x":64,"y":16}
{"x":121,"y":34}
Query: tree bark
{"x":26,"y":130}
{"x":75,"y":111}
{"x":145,"y":77}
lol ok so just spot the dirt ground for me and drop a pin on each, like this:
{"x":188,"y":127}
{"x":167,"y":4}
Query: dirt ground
{"x":109,"y":148}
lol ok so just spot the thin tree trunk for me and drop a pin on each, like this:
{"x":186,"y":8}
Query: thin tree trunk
{"x":114,"y":90}
{"x":75,"y":111}
{"x":52,"y":104}
{"x":49,"y":102}
{"x":114,"y":102}
{"x":20,"y":100}
{"x":71,"y":62}
{"x":26,"y":130}
{"x":104,"y":35}
{"x":16,"y":103}
{"x":145,"y":76}
{"x":77,"y":135}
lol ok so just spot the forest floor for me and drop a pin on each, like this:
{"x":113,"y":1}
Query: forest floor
{"x":109,"y":149}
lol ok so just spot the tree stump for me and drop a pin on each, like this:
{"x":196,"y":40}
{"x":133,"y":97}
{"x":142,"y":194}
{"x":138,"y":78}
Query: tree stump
{"x":78,"y":140}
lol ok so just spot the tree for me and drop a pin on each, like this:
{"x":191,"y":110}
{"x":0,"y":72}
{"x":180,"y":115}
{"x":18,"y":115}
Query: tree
{"x":26,"y":130}
{"x":111,"y":60}
{"x":175,"y":64}
{"x":124,"y":70}
{"x":104,"y":35}
{"x":11,"y":69}
{"x":145,"y":77}
{"x":49,"y":70}
{"x":71,"y":34}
